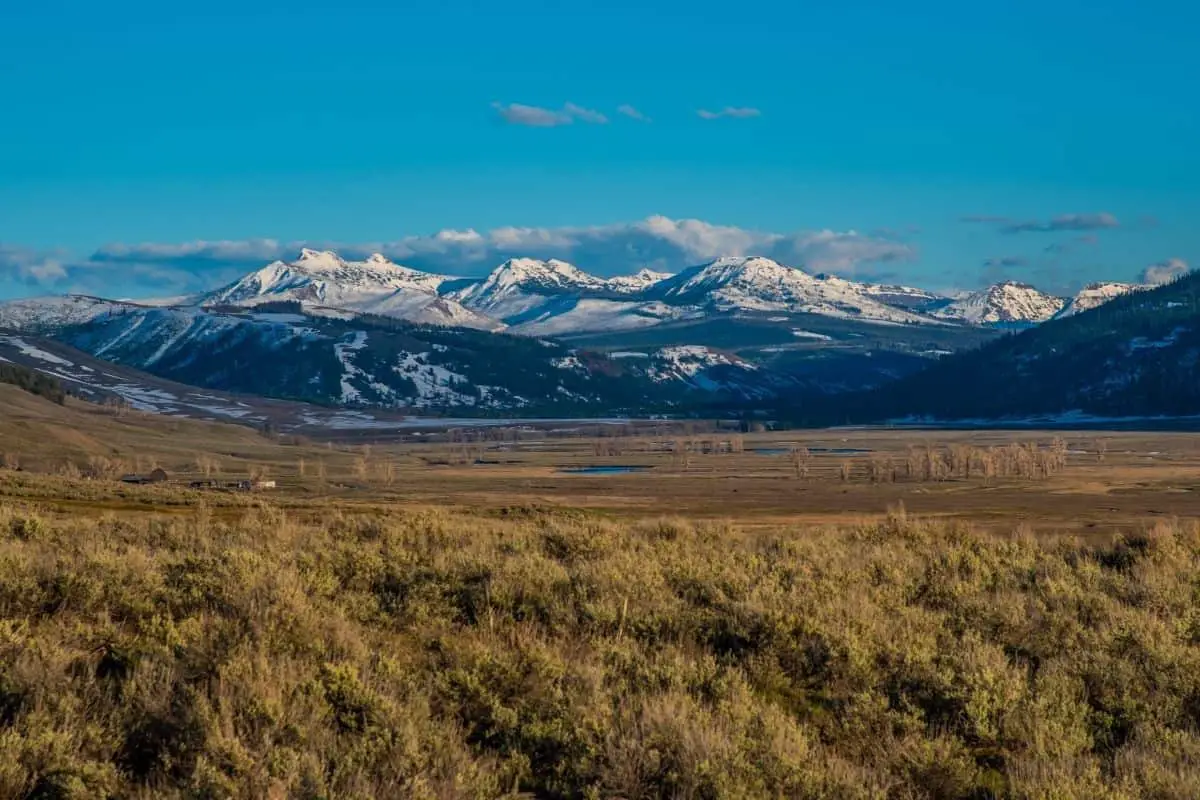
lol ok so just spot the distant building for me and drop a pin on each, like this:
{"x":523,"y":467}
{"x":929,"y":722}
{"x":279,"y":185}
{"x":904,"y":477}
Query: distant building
{"x":157,"y":476}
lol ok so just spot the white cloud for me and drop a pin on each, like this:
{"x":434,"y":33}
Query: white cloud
{"x":468,"y":236}
{"x":658,"y":242}
{"x":731,"y":112}
{"x":1164,"y":271}
{"x":31,"y":267}
{"x":631,"y":112}
{"x":531,"y":116}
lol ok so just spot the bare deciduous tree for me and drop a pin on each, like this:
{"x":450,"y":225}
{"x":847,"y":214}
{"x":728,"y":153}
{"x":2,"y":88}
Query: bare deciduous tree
{"x":800,"y":457}
{"x":207,"y":465}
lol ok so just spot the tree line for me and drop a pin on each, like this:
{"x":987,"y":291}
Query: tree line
{"x":33,"y":382}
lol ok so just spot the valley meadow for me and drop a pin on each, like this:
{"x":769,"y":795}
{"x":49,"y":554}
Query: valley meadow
{"x":616,"y":611}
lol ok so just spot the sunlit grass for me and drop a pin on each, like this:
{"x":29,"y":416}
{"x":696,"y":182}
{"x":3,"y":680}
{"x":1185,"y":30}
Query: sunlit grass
{"x":426,"y":653}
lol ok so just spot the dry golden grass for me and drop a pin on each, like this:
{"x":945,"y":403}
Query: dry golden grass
{"x":399,"y":621}
{"x":427,"y":653}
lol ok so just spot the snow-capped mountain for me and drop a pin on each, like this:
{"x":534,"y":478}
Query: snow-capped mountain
{"x":742,"y":328}
{"x":44,"y":313}
{"x":554,"y":298}
{"x":324,"y":278}
{"x":373,"y":286}
{"x":1097,"y":294}
{"x":519,"y":286}
{"x":1009,"y":302}
{"x":640,"y":281}
{"x":546,"y":298}
{"x":760,"y":284}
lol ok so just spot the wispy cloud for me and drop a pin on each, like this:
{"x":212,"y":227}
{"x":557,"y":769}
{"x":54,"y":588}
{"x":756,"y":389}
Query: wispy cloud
{"x":631,"y":112}
{"x":1164,"y":271}
{"x":538,"y":117}
{"x":1063,"y":222}
{"x":985,"y":219}
{"x":730,"y":112}
{"x":585,"y":114}
{"x":1061,"y":248}
{"x":1007,"y":261}
{"x":195,"y":253}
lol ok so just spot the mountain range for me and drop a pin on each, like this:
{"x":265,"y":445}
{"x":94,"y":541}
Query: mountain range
{"x":541,"y":337}
{"x":526,"y":295}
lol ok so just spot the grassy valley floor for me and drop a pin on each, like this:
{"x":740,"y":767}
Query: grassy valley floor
{"x":240,"y":648}
{"x":750,"y":616}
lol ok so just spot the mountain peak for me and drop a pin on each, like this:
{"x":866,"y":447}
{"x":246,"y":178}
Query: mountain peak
{"x":1096,"y":294}
{"x":555,"y":273}
{"x":1006,"y":302}
{"x":520,"y":284}
{"x":745,"y":262}
{"x":534,"y":265}
{"x":649,"y":274}
{"x":322,"y":278}
{"x":643,"y":279}
{"x":318,"y":259}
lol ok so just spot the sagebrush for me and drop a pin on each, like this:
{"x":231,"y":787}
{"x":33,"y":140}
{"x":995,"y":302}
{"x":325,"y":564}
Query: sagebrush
{"x":432,"y":654}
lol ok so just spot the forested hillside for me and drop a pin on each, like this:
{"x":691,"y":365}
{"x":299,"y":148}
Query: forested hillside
{"x":1138,"y":355}
{"x":32,"y":381}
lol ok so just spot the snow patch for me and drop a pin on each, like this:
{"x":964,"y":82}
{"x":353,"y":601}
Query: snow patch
{"x":36,"y":352}
{"x":567,"y":362}
{"x":810,"y":335}
{"x":1142,"y":343}
{"x":342,"y":350}
{"x":435,"y":384}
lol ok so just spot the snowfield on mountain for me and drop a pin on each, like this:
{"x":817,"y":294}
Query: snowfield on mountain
{"x":374,"y":286}
{"x":760,"y":284}
{"x":1097,"y":294}
{"x":45,"y":313}
{"x":1007,"y":302}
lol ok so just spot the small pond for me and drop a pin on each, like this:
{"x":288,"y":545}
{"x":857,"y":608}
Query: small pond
{"x":600,"y":470}
{"x":817,"y":451}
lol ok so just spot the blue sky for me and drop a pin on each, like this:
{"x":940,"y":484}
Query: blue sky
{"x":356,"y":123}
